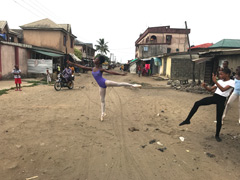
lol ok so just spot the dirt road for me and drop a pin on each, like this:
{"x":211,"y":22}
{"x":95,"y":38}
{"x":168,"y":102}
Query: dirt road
{"x":51,"y":135}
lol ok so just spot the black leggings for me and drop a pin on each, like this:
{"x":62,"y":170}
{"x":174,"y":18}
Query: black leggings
{"x":215,"y":99}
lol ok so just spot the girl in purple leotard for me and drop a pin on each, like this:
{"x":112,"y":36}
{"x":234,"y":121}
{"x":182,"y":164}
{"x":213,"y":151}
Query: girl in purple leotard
{"x":103,"y":83}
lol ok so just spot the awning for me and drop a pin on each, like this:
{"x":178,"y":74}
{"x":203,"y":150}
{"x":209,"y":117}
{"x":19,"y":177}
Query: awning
{"x":133,"y":60}
{"x":201,"y":60}
{"x":75,"y":58}
{"x":51,"y":54}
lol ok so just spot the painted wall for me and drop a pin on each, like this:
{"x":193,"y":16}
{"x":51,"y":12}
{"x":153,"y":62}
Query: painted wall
{"x":8,"y":60}
{"x":48,"y":39}
{"x":24,"y":55}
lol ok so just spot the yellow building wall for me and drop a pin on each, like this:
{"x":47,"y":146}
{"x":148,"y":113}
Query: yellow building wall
{"x":48,"y":39}
{"x":168,"y":68}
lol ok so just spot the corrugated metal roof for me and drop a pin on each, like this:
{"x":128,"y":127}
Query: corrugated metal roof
{"x":227,"y":43}
{"x":206,"y":45}
{"x":44,"y":23}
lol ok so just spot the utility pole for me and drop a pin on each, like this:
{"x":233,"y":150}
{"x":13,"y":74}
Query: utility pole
{"x":190,"y":53}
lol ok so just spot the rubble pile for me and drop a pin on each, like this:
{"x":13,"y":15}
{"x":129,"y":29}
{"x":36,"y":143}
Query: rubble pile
{"x":192,"y":87}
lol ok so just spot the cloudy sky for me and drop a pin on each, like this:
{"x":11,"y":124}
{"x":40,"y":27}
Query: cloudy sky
{"x":120,"y":22}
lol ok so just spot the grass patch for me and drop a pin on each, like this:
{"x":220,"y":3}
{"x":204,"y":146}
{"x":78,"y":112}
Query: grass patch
{"x":3,"y":91}
{"x":36,"y":83}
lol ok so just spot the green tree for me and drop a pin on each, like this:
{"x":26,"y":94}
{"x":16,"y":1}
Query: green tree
{"x":78,"y":53}
{"x":102,"y":46}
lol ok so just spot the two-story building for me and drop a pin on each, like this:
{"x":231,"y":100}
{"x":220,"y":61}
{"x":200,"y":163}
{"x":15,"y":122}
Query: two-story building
{"x":87,"y":50}
{"x":159,"y":40}
{"x":49,"y":39}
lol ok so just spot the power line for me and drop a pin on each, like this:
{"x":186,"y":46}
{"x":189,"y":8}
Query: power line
{"x":33,"y":7}
{"x":47,"y":10}
{"x":26,"y":8}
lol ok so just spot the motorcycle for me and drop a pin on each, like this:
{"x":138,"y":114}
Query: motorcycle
{"x":61,"y":82}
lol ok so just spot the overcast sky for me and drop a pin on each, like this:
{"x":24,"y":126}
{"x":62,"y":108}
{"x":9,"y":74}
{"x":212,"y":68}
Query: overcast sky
{"x":120,"y":22}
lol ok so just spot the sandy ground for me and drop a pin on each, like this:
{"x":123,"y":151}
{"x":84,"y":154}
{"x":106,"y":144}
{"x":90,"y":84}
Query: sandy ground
{"x":50,"y":135}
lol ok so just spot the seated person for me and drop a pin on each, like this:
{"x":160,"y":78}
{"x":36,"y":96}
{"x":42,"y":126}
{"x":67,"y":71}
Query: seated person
{"x":67,"y":73}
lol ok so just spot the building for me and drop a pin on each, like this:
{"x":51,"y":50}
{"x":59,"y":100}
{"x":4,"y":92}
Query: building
{"x":160,"y":40}
{"x":87,"y":50}
{"x":224,"y":50}
{"x":7,"y":34}
{"x":201,"y":47}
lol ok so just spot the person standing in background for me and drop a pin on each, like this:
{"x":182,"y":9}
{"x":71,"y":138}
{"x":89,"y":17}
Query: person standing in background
{"x":17,"y":76}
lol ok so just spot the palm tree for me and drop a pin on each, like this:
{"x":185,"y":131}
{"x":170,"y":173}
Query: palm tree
{"x":102,"y":46}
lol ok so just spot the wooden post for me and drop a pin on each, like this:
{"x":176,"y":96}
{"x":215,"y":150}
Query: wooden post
{"x":190,"y":53}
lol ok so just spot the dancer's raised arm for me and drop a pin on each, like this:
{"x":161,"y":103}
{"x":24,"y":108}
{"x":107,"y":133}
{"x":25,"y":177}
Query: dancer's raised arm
{"x":114,"y":73}
{"x":78,"y":65}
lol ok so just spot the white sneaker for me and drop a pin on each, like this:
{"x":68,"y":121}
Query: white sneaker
{"x":102,"y":116}
{"x":137,"y":85}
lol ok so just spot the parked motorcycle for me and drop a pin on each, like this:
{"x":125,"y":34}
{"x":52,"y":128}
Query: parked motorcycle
{"x":61,"y":82}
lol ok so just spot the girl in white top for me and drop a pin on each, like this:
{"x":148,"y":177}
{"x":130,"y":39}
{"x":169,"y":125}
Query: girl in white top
{"x":223,"y":88}
{"x":235,"y":95}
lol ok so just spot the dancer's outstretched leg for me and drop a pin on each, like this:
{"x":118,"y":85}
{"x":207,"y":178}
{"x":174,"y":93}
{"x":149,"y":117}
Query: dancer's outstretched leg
{"x":102,"y":98}
{"x":229,"y":104}
{"x":118,"y":84}
{"x":202,"y":102}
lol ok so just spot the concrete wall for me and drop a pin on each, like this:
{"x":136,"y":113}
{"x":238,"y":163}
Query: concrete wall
{"x":153,"y":50}
{"x":48,"y":39}
{"x":8,"y":60}
{"x":181,"y":68}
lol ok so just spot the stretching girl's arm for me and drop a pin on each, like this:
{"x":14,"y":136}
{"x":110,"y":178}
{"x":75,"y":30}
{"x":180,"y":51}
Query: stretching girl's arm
{"x":114,"y":73}
{"x":78,"y":65}
{"x":210,"y":89}
{"x":218,"y":85}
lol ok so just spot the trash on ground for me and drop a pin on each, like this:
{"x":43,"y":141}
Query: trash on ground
{"x":34,"y":177}
{"x":181,"y":138}
{"x":152,"y":141}
{"x":133,"y":129}
{"x":159,"y":143}
{"x":143,"y":146}
{"x":210,"y":155}
{"x":187,"y":150}
{"x":162,"y":149}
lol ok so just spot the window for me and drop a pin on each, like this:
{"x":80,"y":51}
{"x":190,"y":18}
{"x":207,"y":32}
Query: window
{"x":11,"y":39}
{"x":177,"y":50}
{"x":168,"y":39}
{"x":147,"y":40}
{"x":64,"y":40}
{"x":71,"y":42}
{"x":145,"y":48}
{"x":168,"y":50}
{"x":153,"y":39}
